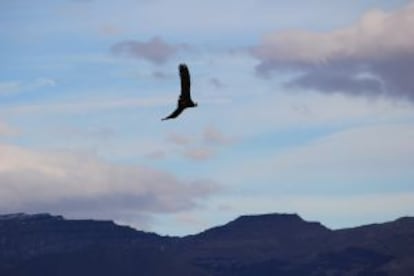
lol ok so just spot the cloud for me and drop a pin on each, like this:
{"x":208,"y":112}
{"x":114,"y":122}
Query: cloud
{"x":93,"y":132}
{"x":43,"y":82}
{"x":87,"y":105}
{"x":351,"y":161}
{"x":81,"y":184}
{"x":156,"y":155}
{"x":189,"y":148}
{"x":160,"y":75}
{"x":155,"y":50}
{"x":9,"y":87}
{"x":375,"y":56}
{"x":283,"y":111}
{"x":12,"y":87}
{"x":200,"y":146}
{"x":179,"y":139}
{"x":216,"y":83}
{"x":110,"y":30}
{"x":213,"y":136}
{"x":199,"y":154}
{"x":7,"y":130}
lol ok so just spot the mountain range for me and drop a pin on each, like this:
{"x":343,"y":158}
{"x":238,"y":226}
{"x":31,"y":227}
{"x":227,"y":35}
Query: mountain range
{"x":269,"y":244}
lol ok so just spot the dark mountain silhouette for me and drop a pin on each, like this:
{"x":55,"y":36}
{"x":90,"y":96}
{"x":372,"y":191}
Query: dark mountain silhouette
{"x":272,"y":244}
{"x":184,"y":100}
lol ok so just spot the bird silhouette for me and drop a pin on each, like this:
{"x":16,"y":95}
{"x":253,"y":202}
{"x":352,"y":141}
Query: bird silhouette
{"x":184,"y":99}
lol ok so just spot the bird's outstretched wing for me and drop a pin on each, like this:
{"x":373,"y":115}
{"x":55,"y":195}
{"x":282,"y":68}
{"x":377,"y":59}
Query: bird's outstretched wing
{"x":175,"y":113}
{"x":185,"y":82}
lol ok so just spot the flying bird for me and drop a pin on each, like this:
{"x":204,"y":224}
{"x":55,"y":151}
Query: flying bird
{"x":184,"y":99}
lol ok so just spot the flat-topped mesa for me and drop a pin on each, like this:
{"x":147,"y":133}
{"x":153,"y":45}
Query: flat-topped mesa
{"x":265,"y":226}
{"x":274,"y":218}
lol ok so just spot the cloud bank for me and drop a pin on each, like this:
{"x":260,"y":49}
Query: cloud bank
{"x":375,"y":56}
{"x":84,"y":185}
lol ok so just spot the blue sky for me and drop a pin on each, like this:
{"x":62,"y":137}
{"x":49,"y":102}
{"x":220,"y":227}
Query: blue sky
{"x":304,"y":107}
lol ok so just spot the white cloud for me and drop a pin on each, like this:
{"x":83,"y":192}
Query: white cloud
{"x":281,"y":111}
{"x":92,"y":132}
{"x":87,"y":105}
{"x":9,"y":87}
{"x":357,"y":160}
{"x":42,"y":82}
{"x":12,"y":87}
{"x":376,"y":35}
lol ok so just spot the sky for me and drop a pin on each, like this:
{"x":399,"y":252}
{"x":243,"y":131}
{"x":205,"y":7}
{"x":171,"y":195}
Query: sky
{"x":304,"y":107}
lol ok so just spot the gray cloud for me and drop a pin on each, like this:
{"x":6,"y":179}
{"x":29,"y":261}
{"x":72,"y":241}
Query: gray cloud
{"x":216,"y":83}
{"x":161,"y":75}
{"x":82,"y":184}
{"x":375,"y":56}
{"x":155,"y":50}
{"x":339,"y":78}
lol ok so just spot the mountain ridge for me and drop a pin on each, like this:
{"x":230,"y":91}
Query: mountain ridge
{"x":264,"y":244}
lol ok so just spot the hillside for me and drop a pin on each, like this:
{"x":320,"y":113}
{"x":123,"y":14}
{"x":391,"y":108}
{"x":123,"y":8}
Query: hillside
{"x":271,"y":244}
